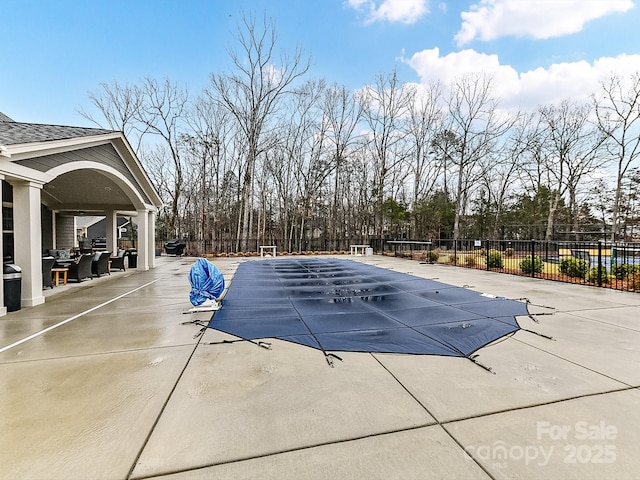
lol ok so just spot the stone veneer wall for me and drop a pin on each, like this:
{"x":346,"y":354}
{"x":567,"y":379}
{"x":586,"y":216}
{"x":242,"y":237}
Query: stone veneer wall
{"x":65,"y":231}
{"x":46,"y":216}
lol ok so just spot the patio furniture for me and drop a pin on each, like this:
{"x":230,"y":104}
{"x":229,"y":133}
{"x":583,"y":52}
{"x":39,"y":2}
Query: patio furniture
{"x":47,"y":265}
{"x":80,"y":268}
{"x":358,"y":249}
{"x":60,"y":254}
{"x":56,"y":275}
{"x":100,"y":263}
{"x":118,"y":261}
{"x":175,"y":247}
{"x":268,"y":247}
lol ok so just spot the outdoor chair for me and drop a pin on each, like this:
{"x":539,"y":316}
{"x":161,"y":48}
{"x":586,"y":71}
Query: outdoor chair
{"x":100,"y":263}
{"x":47,"y":265}
{"x":80,"y":268}
{"x":118,"y":261}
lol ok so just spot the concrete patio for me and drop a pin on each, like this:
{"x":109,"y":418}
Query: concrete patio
{"x":118,"y":388}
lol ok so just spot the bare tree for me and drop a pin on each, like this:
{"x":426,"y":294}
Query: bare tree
{"x":425,"y":117}
{"x":500,"y":178}
{"x":617,"y":108}
{"x":119,"y":105}
{"x":341,"y":112}
{"x":385,"y":106}
{"x":161,"y":175}
{"x":474,"y":127}
{"x":209,"y":134}
{"x":163,"y":107}
{"x":251,"y":95}
{"x":149,"y":109}
{"x":570,"y":146}
{"x":305,"y":143}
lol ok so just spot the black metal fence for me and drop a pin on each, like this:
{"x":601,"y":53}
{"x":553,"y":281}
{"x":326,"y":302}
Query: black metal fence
{"x":603,"y":264}
{"x":227,"y":247}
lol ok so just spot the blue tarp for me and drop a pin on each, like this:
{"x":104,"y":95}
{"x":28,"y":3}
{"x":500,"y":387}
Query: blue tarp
{"x":207,"y":282}
{"x":342,"y":305}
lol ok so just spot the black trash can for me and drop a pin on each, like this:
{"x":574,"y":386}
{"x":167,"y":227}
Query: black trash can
{"x":132,"y":255}
{"x":12,"y":283}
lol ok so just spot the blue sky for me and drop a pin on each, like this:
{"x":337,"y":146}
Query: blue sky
{"x":57,"y":51}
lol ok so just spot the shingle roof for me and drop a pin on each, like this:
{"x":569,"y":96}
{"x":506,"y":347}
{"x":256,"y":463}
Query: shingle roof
{"x":4,"y":118}
{"x":15,"y":133}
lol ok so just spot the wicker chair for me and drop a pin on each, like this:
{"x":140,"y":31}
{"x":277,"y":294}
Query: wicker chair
{"x":118,"y":261}
{"x":80,"y":268}
{"x":47,"y":265}
{"x":100,"y":264}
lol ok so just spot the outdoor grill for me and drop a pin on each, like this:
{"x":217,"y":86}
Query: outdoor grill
{"x":175,"y":247}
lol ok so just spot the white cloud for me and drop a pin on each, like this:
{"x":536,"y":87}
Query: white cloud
{"x":491,"y":19}
{"x":430,"y":66}
{"x":403,"y":11}
{"x":526,"y":90}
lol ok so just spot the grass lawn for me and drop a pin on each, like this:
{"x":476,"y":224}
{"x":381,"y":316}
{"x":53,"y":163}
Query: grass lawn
{"x":480,"y":261}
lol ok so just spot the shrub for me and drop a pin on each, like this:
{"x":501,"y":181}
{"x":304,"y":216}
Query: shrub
{"x":470,"y":261}
{"x":528,"y":266}
{"x":494,"y":260}
{"x":508,"y":252}
{"x":592,"y":276}
{"x":623,"y":271}
{"x":574,"y":267}
{"x":633,"y":281}
{"x":433,"y":256}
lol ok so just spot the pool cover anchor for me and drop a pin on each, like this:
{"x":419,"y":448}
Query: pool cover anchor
{"x":329,"y":357}
{"x":259,"y":343}
{"x":532,"y":315}
{"x":548,"y":337}
{"x":481,"y":365}
{"x":203,"y":327}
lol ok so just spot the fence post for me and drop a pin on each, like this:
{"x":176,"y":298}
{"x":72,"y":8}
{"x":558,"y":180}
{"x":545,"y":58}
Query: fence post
{"x":487,"y":243}
{"x":455,"y":253}
{"x":533,"y":254}
{"x":599,"y":263}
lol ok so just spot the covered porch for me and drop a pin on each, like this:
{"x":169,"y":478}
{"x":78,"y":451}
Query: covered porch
{"x":52,"y":175}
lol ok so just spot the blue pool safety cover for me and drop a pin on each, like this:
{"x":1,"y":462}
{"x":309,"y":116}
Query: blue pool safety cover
{"x":343,"y":305}
{"x":207,"y":282}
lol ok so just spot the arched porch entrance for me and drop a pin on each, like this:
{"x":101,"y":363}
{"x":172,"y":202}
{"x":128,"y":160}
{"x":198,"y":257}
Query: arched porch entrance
{"x":49,"y":185}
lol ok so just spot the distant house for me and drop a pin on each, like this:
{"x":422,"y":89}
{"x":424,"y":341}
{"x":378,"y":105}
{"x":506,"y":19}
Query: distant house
{"x":53,"y":174}
{"x":93,"y":229}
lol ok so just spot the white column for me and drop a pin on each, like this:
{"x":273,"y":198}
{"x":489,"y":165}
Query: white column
{"x":151,"y":238}
{"x":3,"y":309}
{"x":76,"y":240}
{"x":27,"y":237}
{"x":143,"y":240}
{"x":112,"y":231}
